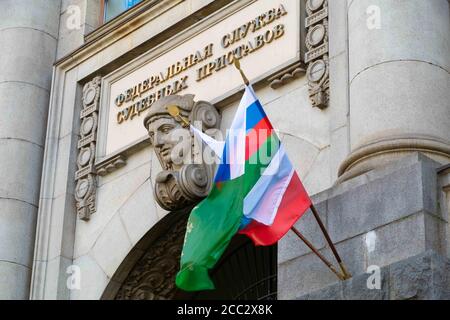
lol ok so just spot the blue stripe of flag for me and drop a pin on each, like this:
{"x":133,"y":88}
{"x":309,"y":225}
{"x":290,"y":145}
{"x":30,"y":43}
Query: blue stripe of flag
{"x":255,"y":113}
{"x":244,"y":222}
{"x":223,"y":171}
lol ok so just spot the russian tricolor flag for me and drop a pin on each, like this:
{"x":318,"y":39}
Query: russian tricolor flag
{"x":256,"y":192}
{"x":275,"y":197}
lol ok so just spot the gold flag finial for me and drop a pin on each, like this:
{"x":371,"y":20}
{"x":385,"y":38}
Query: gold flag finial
{"x":174,"y":111}
{"x":237,"y":64}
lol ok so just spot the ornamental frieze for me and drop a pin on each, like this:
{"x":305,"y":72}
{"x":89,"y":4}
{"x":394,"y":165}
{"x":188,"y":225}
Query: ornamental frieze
{"x":85,"y":176}
{"x":317,"y":57}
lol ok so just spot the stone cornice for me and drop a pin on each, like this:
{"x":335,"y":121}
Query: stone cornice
{"x":131,"y":15}
{"x":395,"y":144}
{"x":116,"y":29}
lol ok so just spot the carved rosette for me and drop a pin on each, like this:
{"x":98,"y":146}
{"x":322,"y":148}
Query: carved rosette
{"x":85,"y":177}
{"x":186,"y":178}
{"x":317,"y":57}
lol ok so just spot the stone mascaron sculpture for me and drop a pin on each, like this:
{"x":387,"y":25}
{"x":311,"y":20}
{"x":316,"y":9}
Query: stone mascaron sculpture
{"x":185,"y":178}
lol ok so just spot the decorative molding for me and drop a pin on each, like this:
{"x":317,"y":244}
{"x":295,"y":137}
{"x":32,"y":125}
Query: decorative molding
{"x":287,"y":75}
{"x":110,"y":165}
{"x":85,"y":176}
{"x":357,"y":162}
{"x":132,"y":13}
{"x":317,"y":57}
{"x":134,"y":19}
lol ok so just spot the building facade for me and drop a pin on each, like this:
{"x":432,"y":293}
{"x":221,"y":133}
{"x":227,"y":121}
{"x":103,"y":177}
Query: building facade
{"x":92,"y":205}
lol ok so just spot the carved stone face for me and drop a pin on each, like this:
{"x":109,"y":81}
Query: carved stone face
{"x":181,"y":183}
{"x":165,"y":135}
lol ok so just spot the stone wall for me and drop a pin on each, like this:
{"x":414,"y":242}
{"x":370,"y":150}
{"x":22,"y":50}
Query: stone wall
{"x":422,"y":277}
{"x":78,"y":18}
{"x":28,"y":38}
{"x":396,"y":206}
{"x":398,"y":82}
{"x":377,"y":219}
{"x":125,"y":206}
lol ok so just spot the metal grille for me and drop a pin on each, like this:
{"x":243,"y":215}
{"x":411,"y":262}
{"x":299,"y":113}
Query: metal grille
{"x":245,"y":272}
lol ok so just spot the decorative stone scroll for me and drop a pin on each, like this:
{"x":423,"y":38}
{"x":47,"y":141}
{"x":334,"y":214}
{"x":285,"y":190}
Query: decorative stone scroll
{"x":111,"y":165}
{"x":185,"y":178}
{"x":287,"y":75}
{"x":85,"y":177}
{"x":317,"y":57}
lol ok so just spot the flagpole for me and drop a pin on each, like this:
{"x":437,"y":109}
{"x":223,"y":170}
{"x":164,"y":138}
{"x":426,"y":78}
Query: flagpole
{"x":330,"y":243}
{"x":313,"y":249}
{"x":345,"y":275}
{"x":237,"y":64}
{"x":174,"y":111}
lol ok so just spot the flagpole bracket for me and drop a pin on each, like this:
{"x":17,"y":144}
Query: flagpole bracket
{"x":174,"y":111}
{"x":237,"y":64}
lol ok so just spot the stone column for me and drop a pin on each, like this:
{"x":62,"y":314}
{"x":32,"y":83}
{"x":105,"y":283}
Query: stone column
{"x":399,"y":82}
{"x":28,"y":39}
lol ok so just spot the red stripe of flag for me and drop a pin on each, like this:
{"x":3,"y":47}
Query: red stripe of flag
{"x":293,"y":205}
{"x":255,"y":138}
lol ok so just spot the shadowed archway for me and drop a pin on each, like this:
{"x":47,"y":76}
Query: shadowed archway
{"x":148,"y":272}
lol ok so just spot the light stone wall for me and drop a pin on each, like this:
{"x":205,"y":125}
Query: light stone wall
{"x":28,"y":38}
{"x":317,"y":141}
{"x":339,"y":110}
{"x":390,"y":214}
{"x":125,"y":206}
{"x":126,"y":210}
{"x":74,"y":27}
{"x":379,"y":218}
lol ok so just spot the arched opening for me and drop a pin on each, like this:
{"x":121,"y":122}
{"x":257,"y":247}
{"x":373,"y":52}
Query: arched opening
{"x":244,"y":272}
